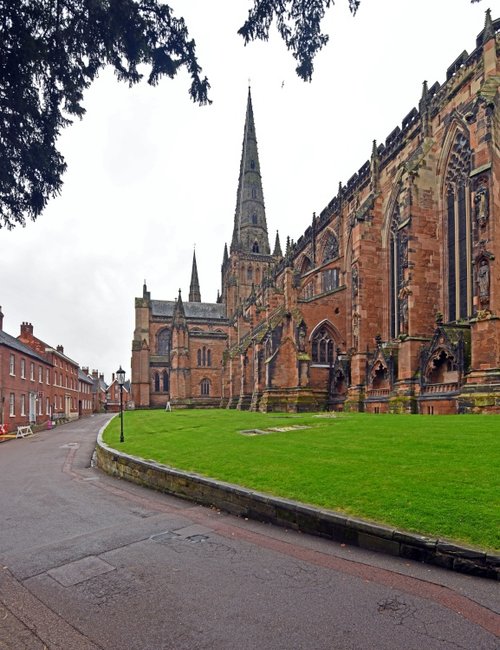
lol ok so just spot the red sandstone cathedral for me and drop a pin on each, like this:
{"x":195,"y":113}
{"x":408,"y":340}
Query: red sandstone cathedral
{"x":388,"y":302}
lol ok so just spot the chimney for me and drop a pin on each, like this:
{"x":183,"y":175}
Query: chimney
{"x":60,"y":349}
{"x":94,"y":374}
{"x":26,"y":328}
{"x":85,"y":370}
{"x":112,"y":377}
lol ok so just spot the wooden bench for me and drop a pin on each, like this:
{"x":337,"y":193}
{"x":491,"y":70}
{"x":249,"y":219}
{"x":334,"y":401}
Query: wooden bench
{"x":22,"y":432}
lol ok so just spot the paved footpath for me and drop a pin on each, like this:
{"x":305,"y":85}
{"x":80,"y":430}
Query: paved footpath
{"x":88,"y":561}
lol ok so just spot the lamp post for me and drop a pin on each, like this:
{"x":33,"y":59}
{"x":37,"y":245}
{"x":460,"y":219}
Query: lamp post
{"x":120,"y":378}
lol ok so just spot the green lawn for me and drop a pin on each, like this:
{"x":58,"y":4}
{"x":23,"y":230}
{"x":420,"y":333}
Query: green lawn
{"x":435,"y":475}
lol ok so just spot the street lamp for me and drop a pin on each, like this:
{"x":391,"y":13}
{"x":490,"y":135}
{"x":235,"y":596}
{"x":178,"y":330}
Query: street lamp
{"x":120,"y":378}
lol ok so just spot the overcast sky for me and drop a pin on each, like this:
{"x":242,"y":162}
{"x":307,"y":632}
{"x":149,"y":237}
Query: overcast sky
{"x":151,"y":175}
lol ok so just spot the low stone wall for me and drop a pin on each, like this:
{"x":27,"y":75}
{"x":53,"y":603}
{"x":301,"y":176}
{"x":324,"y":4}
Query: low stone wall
{"x":291,"y":514}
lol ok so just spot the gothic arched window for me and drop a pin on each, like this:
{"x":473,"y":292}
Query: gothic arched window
{"x":165,"y":382}
{"x":255,"y":247}
{"x":205,"y":387}
{"x":157,"y":382}
{"x":306,"y":265}
{"x":395,"y":274}
{"x":198,"y":355}
{"x":322,"y":346}
{"x":458,"y":230}
{"x":330,"y":248}
{"x":163,"y":342}
{"x":209,"y":358}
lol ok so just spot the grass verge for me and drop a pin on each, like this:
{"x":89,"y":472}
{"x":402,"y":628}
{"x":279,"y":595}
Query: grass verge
{"x":437,"y":476}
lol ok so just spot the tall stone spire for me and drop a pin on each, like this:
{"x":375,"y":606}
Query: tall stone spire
{"x":194,"y":287}
{"x":250,"y":227}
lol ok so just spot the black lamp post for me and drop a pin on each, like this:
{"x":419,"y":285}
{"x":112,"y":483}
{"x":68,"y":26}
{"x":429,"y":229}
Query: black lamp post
{"x":120,"y":378}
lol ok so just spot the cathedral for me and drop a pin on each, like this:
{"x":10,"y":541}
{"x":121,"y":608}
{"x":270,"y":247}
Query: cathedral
{"x":389,"y":302}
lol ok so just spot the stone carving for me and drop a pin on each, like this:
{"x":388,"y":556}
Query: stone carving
{"x":483,"y":281}
{"x":302,"y":338}
{"x":355,"y":281}
{"x":356,"y":318}
{"x":481,"y":203}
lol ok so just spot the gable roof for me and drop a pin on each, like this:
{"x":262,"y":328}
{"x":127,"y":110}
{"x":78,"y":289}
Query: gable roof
{"x":15,"y":344}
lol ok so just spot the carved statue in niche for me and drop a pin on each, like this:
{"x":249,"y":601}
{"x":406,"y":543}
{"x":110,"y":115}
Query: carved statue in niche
{"x":302,"y":338}
{"x":483,"y":281}
{"x":481,"y":203}
{"x":355,"y":281}
{"x":356,"y":318}
{"x":403,"y":309}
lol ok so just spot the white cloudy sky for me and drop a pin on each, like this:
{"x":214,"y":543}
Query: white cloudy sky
{"x":151,"y":175}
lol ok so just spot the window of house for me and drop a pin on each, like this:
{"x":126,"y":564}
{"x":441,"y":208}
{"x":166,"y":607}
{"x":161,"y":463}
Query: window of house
{"x":12,"y":365}
{"x":40,"y":374}
{"x":47,"y":406}
{"x":32,"y":372}
{"x":322,"y":346}
{"x":205,"y":387}
{"x":23,"y":368}
{"x":23,"y":404}
{"x":12,"y":405}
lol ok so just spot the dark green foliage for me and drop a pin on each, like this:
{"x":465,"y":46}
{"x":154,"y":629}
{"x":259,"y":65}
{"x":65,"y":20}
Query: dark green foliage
{"x":50,"y":52}
{"x":299,"y":25}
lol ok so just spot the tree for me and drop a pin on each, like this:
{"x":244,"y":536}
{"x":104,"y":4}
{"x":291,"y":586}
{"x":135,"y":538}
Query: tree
{"x":52,"y":50}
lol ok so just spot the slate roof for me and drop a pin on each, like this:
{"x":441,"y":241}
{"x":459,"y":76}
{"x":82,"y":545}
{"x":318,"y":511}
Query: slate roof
{"x":84,"y":377}
{"x":15,"y":344}
{"x":201,"y":310}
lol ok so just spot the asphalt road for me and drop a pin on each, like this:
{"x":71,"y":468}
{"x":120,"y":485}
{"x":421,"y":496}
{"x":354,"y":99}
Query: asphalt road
{"x":88,"y":561}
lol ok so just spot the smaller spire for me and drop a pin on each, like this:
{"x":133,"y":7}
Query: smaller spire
{"x":194,"y":287}
{"x":374,"y":166}
{"x":225,"y":257}
{"x":423,"y":108}
{"x":489,"y":31}
{"x":425,"y":94}
{"x":277,"y":246}
{"x":179,"y":316}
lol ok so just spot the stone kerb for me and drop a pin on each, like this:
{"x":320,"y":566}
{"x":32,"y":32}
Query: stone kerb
{"x":243,"y":502}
